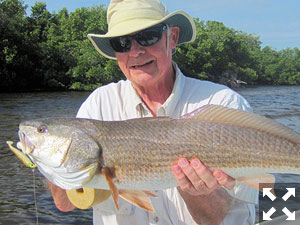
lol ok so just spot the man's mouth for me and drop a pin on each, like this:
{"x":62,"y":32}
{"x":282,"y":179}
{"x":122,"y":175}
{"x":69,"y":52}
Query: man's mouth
{"x":141,"y":65}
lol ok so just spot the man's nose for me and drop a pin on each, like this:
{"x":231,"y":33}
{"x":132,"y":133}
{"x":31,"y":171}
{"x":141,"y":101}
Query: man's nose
{"x":136,"y":49}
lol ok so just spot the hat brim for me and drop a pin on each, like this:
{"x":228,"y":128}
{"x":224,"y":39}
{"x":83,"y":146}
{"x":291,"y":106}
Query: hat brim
{"x":179,"y":18}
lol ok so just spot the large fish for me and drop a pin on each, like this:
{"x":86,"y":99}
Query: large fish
{"x":138,"y":154}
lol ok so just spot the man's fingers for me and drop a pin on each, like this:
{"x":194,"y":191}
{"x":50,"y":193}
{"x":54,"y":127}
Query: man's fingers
{"x":199,"y":176}
{"x":196,"y":179}
{"x":191,"y":174}
{"x":204,"y":174}
{"x":183,"y":181}
{"x":224,"y":179}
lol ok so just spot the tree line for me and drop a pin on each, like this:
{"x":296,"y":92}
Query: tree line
{"x":50,"y":51}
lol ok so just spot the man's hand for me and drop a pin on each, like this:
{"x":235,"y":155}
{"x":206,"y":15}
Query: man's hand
{"x":196,"y":179}
{"x":60,"y":198}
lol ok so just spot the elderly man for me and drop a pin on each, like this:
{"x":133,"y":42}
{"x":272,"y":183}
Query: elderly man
{"x":142,"y":36}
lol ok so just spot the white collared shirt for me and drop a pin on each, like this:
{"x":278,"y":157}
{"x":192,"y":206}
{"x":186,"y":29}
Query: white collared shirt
{"x":119,"y":101}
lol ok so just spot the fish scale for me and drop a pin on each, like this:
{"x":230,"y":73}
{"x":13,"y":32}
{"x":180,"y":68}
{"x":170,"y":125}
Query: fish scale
{"x":153,"y":150}
{"x":139,"y":153}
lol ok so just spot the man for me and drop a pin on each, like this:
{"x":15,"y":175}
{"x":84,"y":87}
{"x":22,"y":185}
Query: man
{"x":142,"y":36}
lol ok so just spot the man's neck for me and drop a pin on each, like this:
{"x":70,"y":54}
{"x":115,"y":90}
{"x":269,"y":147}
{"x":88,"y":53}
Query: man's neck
{"x":155,"y":96}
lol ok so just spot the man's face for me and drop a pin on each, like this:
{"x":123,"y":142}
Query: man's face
{"x":146,"y":66}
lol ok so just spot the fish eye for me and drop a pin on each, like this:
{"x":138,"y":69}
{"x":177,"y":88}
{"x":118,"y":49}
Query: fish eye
{"x":42,"y":129}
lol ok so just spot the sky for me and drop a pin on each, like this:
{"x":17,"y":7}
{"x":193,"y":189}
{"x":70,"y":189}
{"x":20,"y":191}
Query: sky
{"x":276,"y":22}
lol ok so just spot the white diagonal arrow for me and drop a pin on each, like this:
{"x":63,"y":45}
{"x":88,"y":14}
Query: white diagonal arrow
{"x":267,"y":191}
{"x":290,"y":192}
{"x":267,"y":216}
{"x":291,"y":216}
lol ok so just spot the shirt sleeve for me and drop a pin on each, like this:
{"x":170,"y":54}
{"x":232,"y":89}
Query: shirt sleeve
{"x":90,"y":108}
{"x":231,"y":99}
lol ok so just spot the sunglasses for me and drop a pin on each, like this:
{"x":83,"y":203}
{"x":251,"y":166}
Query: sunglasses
{"x":145,"y":38}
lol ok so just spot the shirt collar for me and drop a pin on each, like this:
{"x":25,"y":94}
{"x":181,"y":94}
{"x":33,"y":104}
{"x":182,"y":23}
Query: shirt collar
{"x":135,"y":107}
{"x":132,"y":102}
{"x":172,"y":101}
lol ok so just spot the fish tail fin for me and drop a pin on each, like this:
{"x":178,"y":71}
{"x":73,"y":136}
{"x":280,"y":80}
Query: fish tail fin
{"x":137,"y":198}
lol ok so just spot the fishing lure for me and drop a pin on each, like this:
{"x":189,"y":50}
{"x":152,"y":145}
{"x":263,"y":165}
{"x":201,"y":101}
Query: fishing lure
{"x":23,"y":157}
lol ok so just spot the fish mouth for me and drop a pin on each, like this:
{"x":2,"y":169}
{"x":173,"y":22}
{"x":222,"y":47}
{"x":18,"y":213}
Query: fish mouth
{"x":25,"y":144}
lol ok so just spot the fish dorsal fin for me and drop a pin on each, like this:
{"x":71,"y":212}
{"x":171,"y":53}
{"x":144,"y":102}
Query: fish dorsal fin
{"x":149,"y":119}
{"x":221,"y":114}
{"x":138,"y":198}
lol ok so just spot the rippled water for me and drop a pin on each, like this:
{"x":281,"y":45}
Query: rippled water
{"x":279,"y":103}
{"x":16,"y":196}
{"x":283,"y":105}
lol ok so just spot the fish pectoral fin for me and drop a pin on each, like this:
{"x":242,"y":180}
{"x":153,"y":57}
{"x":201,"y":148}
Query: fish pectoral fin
{"x":114,"y":190}
{"x":150,"y":193}
{"x":268,"y":180}
{"x":137,"y":198}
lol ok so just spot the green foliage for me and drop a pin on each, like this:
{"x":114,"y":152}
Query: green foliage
{"x":220,"y":54}
{"x":46,"y":50}
{"x":281,"y":67}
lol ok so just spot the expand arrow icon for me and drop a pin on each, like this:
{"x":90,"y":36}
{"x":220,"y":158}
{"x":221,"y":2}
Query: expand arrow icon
{"x":267,"y":216}
{"x":267,"y":191}
{"x":291,"y":216}
{"x":290,"y":192}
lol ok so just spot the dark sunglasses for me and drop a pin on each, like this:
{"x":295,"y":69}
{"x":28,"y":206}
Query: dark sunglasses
{"x":146,"y":38}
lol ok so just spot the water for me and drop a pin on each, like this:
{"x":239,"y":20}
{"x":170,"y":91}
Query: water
{"x":283,"y":105}
{"x":279,"y":103}
{"x":16,"y":196}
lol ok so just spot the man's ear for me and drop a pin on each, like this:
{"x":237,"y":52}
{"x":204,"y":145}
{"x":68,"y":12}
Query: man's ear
{"x":174,"y":37}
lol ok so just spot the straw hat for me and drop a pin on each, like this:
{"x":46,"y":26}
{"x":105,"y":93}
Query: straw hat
{"x":128,"y":16}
